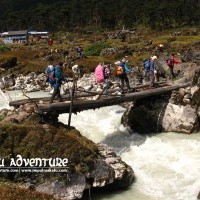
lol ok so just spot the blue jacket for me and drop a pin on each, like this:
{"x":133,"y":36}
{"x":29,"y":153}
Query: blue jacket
{"x":125,"y":68}
{"x":152,"y":66}
{"x":58,"y":76}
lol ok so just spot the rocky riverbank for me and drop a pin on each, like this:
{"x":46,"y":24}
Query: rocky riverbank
{"x":89,"y":165}
{"x":176,"y":112}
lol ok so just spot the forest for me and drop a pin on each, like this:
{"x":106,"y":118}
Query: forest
{"x":84,"y":15}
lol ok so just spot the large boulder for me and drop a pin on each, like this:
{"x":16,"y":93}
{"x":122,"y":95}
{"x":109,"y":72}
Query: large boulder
{"x":159,"y":114}
{"x":182,"y":119}
{"x":146,"y":114}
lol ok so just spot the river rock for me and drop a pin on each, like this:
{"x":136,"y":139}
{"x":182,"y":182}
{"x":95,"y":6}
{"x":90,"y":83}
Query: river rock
{"x":198,"y":112}
{"x":182,"y":119}
{"x":8,"y":81}
{"x":118,"y":172}
{"x":146,"y":115}
{"x":181,"y":92}
{"x":196,"y":96}
{"x":66,"y":190}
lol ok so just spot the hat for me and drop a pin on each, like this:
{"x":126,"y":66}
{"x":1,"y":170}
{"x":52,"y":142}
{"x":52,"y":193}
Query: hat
{"x":123,"y":59}
{"x":154,"y":58}
{"x":50,"y":67}
{"x":75,"y":67}
{"x":117,"y":62}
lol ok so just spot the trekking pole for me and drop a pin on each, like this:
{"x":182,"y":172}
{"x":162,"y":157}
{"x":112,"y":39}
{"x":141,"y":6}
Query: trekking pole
{"x":71,"y":103}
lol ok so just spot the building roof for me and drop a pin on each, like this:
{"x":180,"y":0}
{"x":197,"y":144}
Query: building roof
{"x":38,"y":33}
{"x":14,"y":33}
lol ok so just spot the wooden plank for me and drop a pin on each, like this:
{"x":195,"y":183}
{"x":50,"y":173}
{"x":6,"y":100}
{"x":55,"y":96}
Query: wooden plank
{"x":93,"y":104}
{"x":79,"y":94}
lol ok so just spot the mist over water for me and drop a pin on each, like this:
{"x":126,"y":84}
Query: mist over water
{"x":166,"y":165}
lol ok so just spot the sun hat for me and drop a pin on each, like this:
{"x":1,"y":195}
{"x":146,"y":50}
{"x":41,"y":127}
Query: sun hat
{"x":50,"y":67}
{"x":123,"y":59}
{"x":154,"y":58}
{"x":117,"y":62}
{"x":75,"y":67}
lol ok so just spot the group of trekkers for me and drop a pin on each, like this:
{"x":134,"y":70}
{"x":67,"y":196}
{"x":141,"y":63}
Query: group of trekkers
{"x":105,"y":71}
{"x":103,"y":74}
{"x":151,"y":70}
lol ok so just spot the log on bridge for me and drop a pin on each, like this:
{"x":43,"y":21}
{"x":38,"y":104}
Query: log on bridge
{"x":78,"y":94}
{"x":64,"y":107}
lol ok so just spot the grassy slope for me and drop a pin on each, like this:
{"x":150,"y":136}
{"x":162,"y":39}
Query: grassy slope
{"x":137,"y":42}
{"x":11,"y":191}
{"x":35,"y":141}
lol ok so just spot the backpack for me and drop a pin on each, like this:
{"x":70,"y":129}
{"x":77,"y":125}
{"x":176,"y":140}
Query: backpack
{"x":50,"y":71}
{"x":99,"y":75}
{"x":146,"y":64}
{"x":106,"y":72}
{"x":58,"y":73}
{"x":170,"y":62}
{"x":127,"y":69}
{"x":119,"y":70}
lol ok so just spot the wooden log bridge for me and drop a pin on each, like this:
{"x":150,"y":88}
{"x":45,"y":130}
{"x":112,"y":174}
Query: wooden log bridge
{"x":64,"y":107}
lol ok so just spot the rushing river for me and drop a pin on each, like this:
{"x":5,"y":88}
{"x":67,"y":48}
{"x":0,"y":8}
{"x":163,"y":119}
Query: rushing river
{"x":166,"y":165}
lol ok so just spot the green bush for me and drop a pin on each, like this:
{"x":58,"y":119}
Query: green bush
{"x":1,"y":117}
{"x":4,"y":48}
{"x":96,"y":48}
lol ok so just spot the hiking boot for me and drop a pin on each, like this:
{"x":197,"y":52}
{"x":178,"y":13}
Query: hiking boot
{"x":151,"y":87}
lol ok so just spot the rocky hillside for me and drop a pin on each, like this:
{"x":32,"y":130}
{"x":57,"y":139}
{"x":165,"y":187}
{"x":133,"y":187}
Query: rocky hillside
{"x":99,"y":47}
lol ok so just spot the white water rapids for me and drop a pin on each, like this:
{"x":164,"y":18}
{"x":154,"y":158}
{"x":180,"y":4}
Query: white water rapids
{"x":166,"y":165}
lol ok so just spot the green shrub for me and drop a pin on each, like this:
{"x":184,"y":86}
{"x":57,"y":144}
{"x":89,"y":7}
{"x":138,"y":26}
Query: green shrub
{"x":96,"y":48}
{"x":4,"y":48}
{"x":1,"y":117}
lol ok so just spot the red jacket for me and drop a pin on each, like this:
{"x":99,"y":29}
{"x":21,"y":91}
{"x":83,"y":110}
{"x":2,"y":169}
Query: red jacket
{"x":171,"y":61}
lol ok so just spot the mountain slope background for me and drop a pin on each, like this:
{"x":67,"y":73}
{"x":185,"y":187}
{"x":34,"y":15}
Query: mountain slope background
{"x":97,"y":15}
